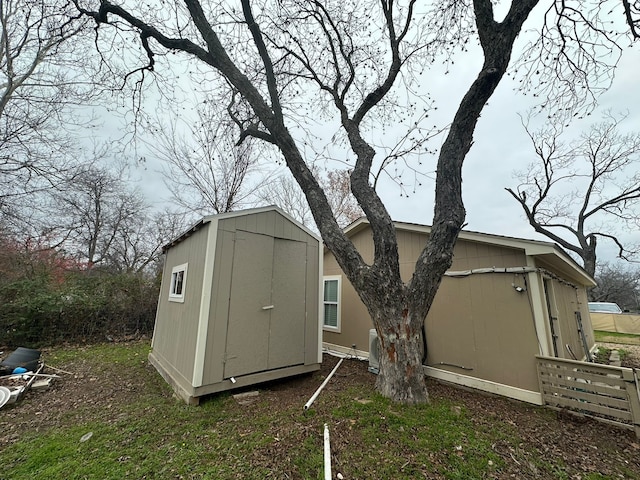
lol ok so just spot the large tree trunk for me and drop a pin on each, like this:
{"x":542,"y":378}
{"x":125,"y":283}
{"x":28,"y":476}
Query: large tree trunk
{"x":401,"y":375}
{"x":589,"y":256}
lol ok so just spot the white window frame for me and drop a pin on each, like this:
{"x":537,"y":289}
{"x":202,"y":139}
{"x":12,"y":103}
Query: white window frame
{"x":338,"y":327}
{"x":173,"y":296}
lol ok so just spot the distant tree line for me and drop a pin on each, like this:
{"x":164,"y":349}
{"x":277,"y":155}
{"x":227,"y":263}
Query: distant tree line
{"x":47,"y":297}
{"x":80,"y":245}
{"x":618,"y":284}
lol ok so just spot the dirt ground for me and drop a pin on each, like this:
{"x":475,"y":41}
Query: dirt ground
{"x":583,"y":444}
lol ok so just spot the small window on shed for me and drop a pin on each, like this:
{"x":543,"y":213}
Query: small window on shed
{"x":178,"y":283}
{"x":331,"y":303}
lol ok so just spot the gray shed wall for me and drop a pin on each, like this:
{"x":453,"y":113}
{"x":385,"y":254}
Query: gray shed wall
{"x":176,"y":328}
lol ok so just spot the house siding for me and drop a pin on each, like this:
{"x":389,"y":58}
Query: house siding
{"x":479,"y":325}
{"x":482,"y":327}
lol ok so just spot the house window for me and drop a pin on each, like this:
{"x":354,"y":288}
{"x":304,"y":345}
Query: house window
{"x":331,"y":302}
{"x":178,"y":283}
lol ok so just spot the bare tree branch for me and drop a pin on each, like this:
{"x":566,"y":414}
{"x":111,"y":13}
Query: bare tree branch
{"x":600,"y":172}
{"x":205,"y":172}
{"x":40,"y":83}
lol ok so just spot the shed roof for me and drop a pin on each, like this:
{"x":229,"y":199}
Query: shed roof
{"x":548,"y":252}
{"x":239,"y":213}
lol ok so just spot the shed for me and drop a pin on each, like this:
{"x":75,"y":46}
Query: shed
{"x":503,"y":301}
{"x":239,"y":303}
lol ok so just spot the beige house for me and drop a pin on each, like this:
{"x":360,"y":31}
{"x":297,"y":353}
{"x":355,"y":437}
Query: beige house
{"x":239,"y":303}
{"x":504,"y":301}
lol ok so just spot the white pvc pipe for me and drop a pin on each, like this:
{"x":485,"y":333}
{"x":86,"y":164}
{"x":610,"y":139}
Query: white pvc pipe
{"x":327,"y":454}
{"x":326,"y":380}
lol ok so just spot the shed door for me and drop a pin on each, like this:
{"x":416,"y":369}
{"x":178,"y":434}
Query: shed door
{"x":288,"y":317}
{"x":266,"y":321}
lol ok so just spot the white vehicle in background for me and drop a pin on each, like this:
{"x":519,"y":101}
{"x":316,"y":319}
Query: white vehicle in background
{"x":604,"y":307}
{"x":609,"y":317}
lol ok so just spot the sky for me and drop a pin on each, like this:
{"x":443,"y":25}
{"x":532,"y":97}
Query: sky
{"x":501,"y":147}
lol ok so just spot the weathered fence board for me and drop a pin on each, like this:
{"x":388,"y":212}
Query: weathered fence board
{"x":613,"y":381}
{"x":600,"y":390}
{"x":603,"y":389}
{"x":574,"y":404}
{"x":583,"y":395}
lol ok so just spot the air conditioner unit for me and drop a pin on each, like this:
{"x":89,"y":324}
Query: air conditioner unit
{"x":374,"y":352}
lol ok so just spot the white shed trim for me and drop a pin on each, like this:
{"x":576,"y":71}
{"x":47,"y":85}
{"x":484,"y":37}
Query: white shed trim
{"x":320,"y":303}
{"x":205,"y":304}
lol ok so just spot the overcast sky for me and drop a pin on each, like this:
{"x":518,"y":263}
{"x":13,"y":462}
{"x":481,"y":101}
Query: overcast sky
{"x":501,"y":146}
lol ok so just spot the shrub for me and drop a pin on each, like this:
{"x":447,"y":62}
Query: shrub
{"x":84,"y":306}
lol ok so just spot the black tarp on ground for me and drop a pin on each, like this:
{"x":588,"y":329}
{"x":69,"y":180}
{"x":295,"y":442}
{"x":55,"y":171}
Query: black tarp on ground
{"x":21,"y":357}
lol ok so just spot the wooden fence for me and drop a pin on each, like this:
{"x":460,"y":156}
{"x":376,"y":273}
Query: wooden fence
{"x":607,"y":393}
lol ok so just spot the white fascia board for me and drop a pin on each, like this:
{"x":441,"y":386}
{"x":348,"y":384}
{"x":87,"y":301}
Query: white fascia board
{"x":530,"y":247}
{"x":356,"y":226}
{"x":319,"y":317}
{"x":254,"y":211}
{"x":535,"y":246}
{"x":205,"y":303}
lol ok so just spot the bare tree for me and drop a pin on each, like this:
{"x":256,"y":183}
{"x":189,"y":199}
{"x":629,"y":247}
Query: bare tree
{"x":355,"y":55}
{"x":39,"y":84}
{"x":617,"y":284}
{"x":589,"y":189}
{"x":205,"y":171}
{"x":284,"y":192}
{"x":97,"y":211}
{"x":136,"y":245}
{"x":343,"y":204}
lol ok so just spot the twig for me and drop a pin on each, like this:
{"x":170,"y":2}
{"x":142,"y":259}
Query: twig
{"x":59,"y":370}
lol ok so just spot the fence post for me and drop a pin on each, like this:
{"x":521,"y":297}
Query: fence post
{"x":540,"y":382}
{"x":630,"y":379}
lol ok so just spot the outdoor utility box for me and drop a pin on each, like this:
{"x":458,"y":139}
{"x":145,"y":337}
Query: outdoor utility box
{"x":239,"y":303}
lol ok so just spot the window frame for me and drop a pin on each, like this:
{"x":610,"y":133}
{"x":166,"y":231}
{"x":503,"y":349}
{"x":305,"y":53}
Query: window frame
{"x":173,"y":296}
{"x":338,"y":303}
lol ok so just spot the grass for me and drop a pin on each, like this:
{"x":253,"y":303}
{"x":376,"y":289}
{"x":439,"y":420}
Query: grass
{"x":615,"y":337}
{"x":148,"y":434}
{"x":390,"y":432}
